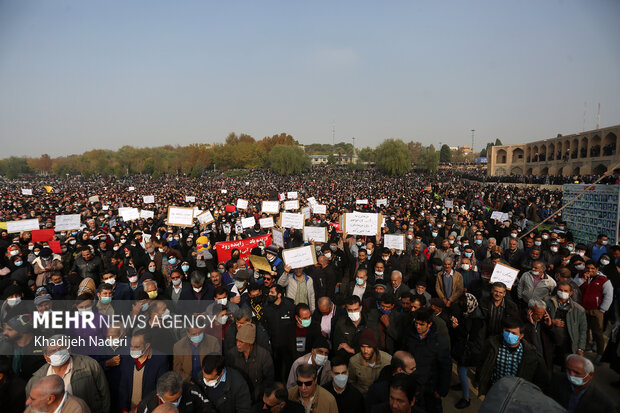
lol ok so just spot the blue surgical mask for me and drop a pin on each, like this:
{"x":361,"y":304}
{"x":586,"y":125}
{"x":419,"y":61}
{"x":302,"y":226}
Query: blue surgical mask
{"x":575,"y":381}
{"x":106,"y":300}
{"x":478,"y":241}
{"x":18,"y":263}
{"x":197,"y":339}
{"x":172,"y":261}
{"x":469,"y":254}
{"x":306,"y":323}
{"x":510,"y":339}
{"x":359,"y":281}
{"x":383,"y":311}
{"x":185,"y":268}
{"x":176,"y":404}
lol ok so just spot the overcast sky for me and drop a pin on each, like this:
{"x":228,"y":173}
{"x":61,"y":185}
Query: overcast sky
{"x":78,"y":75}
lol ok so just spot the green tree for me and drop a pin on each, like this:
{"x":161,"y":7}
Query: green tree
{"x":288,"y":160}
{"x":498,"y":142}
{"x":483,"y":153}
{"x":414,"y":150}
{"x":429,"y":159}
{"x":367,"y":154}
{"x":445,"y":155}
{"x":393,"y":157}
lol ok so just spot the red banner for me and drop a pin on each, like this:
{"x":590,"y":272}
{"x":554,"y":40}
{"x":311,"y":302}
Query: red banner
{"x":55,"y":247}
{"x":42,"y":235}
{"x":244,"y":246}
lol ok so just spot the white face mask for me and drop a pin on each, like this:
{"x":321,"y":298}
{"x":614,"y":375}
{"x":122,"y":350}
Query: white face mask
{"x":222,"y":301}
{"x":341,"y":380}
{"x":554,"y":249}
{"x":320,"y":359}
{"x":12,"y":302}
{"x":605,"y":262}
{"x":465,"y":267}
{"x":136,"y":354}
{"x":110,"y":281}
{"x":223,"y":319}
{"x":563,"y":295}
{"x":197,"y":290}
{"x":327,"y":255}
{"x":176,"y":282}
{"x":355,"y":316}
{"x":59,"y":358}
{"x":133,"y":279}
{"x":210,"y":383}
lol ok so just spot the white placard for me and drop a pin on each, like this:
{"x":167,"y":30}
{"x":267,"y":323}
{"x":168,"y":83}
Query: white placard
{"x":67,"y":222}
{"x":504,"y":274}
{"x":93,"y":199}
{"x":291,"y":220}
{"x":500,"y":216}
{"x":129,"y":214}
{"x":224,"y":191}
{"x":381,"y":202}
{"x":242,"y":204}
{"x":131,"y":188}
{"x":197,"y":211}
{"x":146,"y":214}
{"x":291,"y":195}
{"x":312,"y":200}
{"x":282,"y":196}
{"x":105,"y":207}
{"x":361,"y":201}
{"x":361,"y":223}
{"x":248,"y":222}
{"x":299,"y":257}
{"x":319,"y":209}
{"x":291,"y":205}
{"x":394,"y":241}
{"x":278,"y":237}
{"x":266,"y":222}
{"x":22,"y":225}
{"x":306,"y":212}
{"x":26,"y":191}
{"x":149,"y":199}
{"x":190,"y":198}
{"x":270,"y":207}
{"x":449,"y":204}
{"x":317,"y":234}
{"x":180,"y":217}
{"x":205,"y":218}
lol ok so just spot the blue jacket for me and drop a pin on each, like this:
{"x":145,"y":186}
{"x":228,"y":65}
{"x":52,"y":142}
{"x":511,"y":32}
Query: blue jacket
{"x":153,"y":369}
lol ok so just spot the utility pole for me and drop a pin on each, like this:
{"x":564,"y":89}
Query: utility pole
{"x":472,"y":139}
{"x":334,"y":133}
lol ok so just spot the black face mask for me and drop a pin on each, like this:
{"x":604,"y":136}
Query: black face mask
{"x":272,"y":298}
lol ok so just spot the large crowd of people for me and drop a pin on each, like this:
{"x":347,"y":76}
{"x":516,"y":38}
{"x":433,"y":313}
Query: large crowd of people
{"x":365,"y":329}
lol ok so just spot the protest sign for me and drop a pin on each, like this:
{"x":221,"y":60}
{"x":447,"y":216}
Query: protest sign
{"x":105,"y":207}
{"x":381,"y":202}
{"x":361,"y":201}
{"x":281,"y":197}
{"x":129,"y":214}
{"x":224,"y":191}
{"x":190,"y":198}
{"x":242,"y":204}
{"x":319,"y":209}
{"x":245,"y":246}
{"x":449,"y":204}
{"x":361,"y":223}
{"x":299,"y":257}
{"x":26,"y":191}
{"x":316,"y":234}
{"x":55,"y":246}
{"x":260,"y":263}
{"x":312,"y":200}
{"x":42,"y":235}
{"x":504,"y":274}
{"x":22,"y":225}
{"x":291,"y":220}
{"x":291,"y":205}
{"x":266,"y":222}
{"x":93,"y":199}
{"x":148,"y":199}
{"x":146,"y":214}
{"x":67,"y":222}
{"x":394,"y":241}
{"x":305,"y":211}
{"x":248,"y":222}
{"x":131,"y":188}
{"x":278,"y":237}
{"x":291,"y":195}
{"x":180,"y":216}
{"x":270,"y":207}
{"x":205,"y":218}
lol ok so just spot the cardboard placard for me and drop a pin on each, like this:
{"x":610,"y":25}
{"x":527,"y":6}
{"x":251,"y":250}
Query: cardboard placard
{"x":93,"y":199}
{"x":362,"y":223}
{"x":26,"y":191}
{"x":270,"y":207}
{"x":291,"y":205}
{"x":242,"y":204}
{"x":299,"y":257}
{"x":278,"y":237}
{"x":131,"y":188}
{"x":205,"y":218}
{"x":291,"y":195}
{"x":382,"y":202}
{"x":260,"y":263}
{"x":312,"y":200}
{"x":248,"y":222}
{"x":361,"y":202}
{"x":319,"y":209}
{"x":146,"y":214}
{"x":129,"y":214}
{"x":448,"y":204}
{"x":266,"y":222}
{"x":42,"y":235}
{"x":148,"y":199}
{"x":504,"y":274}
{"x":22,"y":225}
{"x":67,"y":222}
{"x":180,"y":216}
{"x":394,"y":241}
{"x":190,"y":198}
{"x":305,"y":211}
{"x":291,"y":220}
{"x":316,"y":234}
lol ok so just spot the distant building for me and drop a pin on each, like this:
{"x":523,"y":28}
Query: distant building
{"x":319,"y":159}
{"x":465,"y":150}
{"x":340,"y":159}
{"x":585,"y":153}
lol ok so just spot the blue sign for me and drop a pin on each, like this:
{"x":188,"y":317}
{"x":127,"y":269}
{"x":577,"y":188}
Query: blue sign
{"x":482,"y":160}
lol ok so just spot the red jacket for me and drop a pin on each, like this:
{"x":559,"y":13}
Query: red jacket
{"x":592,"y":292}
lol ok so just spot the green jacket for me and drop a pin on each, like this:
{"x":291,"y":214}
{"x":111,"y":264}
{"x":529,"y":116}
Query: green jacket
{"x":576,"y":323}
{"x":532,"y":368}
{"x":88,"y":382}
{"x":361,"y":375}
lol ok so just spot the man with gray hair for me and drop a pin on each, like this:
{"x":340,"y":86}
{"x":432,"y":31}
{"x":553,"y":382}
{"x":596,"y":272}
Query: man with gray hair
{"x":49,"y":395}
{"x":538,"y":330}
{"x":575,"y":389}
{"x":184,"y":396}
{"x":398,"y":288}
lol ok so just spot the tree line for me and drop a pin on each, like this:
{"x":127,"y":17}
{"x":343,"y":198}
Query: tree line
{"x":281,"y":153}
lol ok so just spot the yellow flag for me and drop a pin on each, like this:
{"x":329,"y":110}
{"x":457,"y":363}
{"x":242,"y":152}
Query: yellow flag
{"x":2,"y":225}
{"x":48,"y":189}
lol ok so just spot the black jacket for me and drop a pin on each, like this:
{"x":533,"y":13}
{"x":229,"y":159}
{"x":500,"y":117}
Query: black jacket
{"x":279,"y":321}
{"x":349,"y":401}
{"x":233,"y":395}
{"x":593,"y":400}
{"x":433,"y":362}
{"x":192,"y":401}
